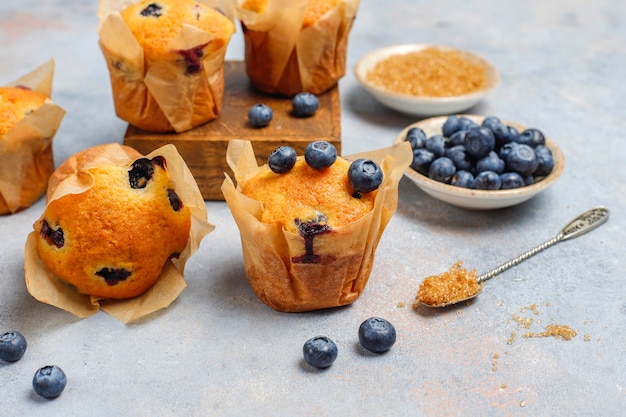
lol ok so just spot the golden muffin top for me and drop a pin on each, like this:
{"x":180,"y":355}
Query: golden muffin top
{"x":155,"y":23}
{"x":305,"y":194}
{"x":15,"y":103}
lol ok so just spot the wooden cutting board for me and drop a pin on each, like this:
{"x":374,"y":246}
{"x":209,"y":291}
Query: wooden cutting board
{"x":204,"y":147}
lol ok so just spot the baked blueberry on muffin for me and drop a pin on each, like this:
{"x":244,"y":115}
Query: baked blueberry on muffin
{"x":112,"y":240}
{"x":165,"y":60}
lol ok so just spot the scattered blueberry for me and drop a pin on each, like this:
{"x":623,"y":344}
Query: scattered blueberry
{"x":304,"y":104}
{"x":545,"y":161}
{"x":511,"y":180}
{"x":522,"y":159}
{"x":479,"y":141}
{"x":377,"y":334}
{"x":416,"y":137}
{"x":442,"y":169}
{"x":260,"y":115}
{"x":320,"y":352}
{"x":282,"y":159}
{"x":487,"y":180}
{"x":365,"y":176}
{"x":436,"y":144}
{"x":12,"y":346}
{"x":49,"y":381}
{"x":463,"y":179}
{"x":320,"y":154}
{"x":491,"y":162}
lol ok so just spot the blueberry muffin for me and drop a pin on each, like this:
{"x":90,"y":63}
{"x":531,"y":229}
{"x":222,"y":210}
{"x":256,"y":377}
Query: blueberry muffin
{"x":33,"y":156}
{"x":169,"y":75}
{"x":112,"y":240}
{"x":290,"y":49}
{"x":309,"y":233}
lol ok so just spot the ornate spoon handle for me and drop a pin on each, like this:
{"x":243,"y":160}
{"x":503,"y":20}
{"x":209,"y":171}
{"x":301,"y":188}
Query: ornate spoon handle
{"x":582,"y":224}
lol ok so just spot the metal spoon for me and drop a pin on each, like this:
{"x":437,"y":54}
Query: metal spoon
{"x":582,"y":224}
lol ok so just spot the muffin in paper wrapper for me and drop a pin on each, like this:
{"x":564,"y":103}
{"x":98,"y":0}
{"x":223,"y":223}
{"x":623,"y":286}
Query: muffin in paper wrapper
{"x":346,"y":255}
{"x":162,"y":96}
{"x":72,"y":177}
{"x":26,"y":148}
{"x":282,"y":57}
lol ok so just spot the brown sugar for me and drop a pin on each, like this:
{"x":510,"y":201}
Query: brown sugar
{"x":430,"y":72}
{"x":449,"y":287}
{"x":558,"y":331}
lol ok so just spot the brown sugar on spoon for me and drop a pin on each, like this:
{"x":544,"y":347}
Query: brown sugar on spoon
{"x":449,"y":287}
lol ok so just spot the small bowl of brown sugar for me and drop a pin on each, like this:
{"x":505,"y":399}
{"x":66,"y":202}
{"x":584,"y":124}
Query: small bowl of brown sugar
{"x":426,"y":80}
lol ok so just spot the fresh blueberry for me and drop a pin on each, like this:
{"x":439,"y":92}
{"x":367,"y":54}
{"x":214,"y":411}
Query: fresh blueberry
{"x":320,"y":352}
{"x":512,"y":135}
{"x":49,"y":381}
{"x":461,"y":159}
{"x":282,"y":159}
{"x":545,"y":159}
{"x":365,"y":176}
{"x":422,"y":160}
{"x":457,"y":138}
{"x":491,"y":162}
{"x":532,"y":137}
{"x":511,"y":180}
{"x":436,"y":144}
{"x":320,"y":154}
{"x":529,"y":180}
{"x":442,"y":169}
{"x":416,"y":137}
{"x":487,"y":180}
{"x":260,"y":115}
{"x":466,"y":124}
{"x":463,"y":179}
{"x":506,"y":149}
{"x":451,"y":126}
{"x":12,"y":346}
{"x":304,"y":104}
{"x":499,"y":129}
{"x":479,"y":141}
{"x":377,"y":334}
{"x":522,"y":159}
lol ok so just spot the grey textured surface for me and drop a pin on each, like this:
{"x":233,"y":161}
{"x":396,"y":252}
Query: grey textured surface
{"x":217,"y":350}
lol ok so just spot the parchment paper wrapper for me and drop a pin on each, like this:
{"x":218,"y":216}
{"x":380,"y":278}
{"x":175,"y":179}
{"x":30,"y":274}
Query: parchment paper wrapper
{"x":282,"y":58}
{"x":26,"y":149}
{"x":72,"y":178}
{"x":159,"y":97}
{"x":346,"y":254}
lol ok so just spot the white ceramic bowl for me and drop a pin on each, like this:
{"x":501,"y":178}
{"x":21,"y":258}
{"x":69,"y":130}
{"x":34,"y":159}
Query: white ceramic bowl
{"x":480,"y":199}
{"x":415,"y":105}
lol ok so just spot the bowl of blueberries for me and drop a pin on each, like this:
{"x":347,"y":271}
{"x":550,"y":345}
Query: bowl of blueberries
{"x":481,"y":163}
